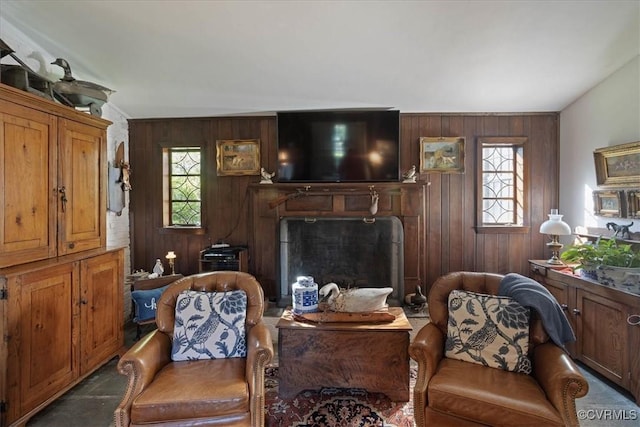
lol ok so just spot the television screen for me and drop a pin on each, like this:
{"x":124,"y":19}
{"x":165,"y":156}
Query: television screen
{"x":338,"y":146}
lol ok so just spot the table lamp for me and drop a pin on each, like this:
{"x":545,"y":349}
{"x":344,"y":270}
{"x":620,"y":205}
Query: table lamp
{"x":171,"y":256}
{"x":555,"y":227}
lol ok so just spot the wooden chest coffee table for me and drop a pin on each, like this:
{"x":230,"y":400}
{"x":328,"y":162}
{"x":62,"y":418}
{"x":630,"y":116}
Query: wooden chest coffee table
{"x":374,"y":357}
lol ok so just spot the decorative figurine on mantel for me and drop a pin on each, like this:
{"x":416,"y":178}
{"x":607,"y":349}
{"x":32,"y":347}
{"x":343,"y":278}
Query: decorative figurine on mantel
{"x":409,"y":177}
{"x":265,"y":177}
{"x":373,"y":209}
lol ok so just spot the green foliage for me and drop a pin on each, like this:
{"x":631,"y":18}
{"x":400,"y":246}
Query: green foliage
{"x":603,"y":252}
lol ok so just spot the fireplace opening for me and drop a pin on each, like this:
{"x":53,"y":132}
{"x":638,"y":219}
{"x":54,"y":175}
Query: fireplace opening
{"x":351,"y":252}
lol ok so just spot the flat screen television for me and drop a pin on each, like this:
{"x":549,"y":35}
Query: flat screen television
{"x":338,"y":146}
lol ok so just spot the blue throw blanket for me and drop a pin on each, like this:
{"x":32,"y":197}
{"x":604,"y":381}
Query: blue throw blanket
{"x":530,"y":293}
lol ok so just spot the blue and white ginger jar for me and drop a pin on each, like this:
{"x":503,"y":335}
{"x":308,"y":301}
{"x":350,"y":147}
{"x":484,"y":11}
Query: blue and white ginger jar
{"x":305,"y":295}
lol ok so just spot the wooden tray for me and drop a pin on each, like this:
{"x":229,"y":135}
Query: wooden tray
{"x":338,"y":317}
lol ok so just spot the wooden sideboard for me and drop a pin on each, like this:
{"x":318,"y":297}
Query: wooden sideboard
{"x":606,"y":339}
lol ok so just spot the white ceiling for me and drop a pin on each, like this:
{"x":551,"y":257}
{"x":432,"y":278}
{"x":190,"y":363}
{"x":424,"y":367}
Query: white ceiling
{"x":211,"y":58}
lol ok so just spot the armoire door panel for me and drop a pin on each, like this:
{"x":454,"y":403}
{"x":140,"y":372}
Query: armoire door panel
{"x":101,"y":308}
{"x":27,"y":179}
{"x":81,"y":178}
{"x":47,"y":358}
{"x":604,"y":335}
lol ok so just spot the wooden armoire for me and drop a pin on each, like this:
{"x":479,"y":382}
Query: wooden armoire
{"x":61,"y":288}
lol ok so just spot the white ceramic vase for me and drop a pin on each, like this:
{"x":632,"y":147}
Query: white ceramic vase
{"x":305,"y":295}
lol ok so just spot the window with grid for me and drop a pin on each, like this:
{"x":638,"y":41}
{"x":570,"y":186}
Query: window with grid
{"x":183,"y":187}
{"x":502,"y":182}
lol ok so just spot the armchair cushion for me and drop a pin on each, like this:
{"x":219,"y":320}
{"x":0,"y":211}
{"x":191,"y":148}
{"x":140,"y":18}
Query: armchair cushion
{"x":475,"y":393}
{"x":209,"y":325}
{"x":488,"y":330}
{"x":203,"y":389}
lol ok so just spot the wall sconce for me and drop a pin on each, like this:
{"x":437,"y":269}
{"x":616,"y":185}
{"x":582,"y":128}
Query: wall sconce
{"x":555,"y":227}
{"x":171,"y":256}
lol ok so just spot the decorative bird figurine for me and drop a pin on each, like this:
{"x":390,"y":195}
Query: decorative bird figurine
{"x":418,"y":299}
{"x":265,"y":177}
{"x":158,"y":268}
{"x":373,"y":209}
{"x":80,"y":93}
{"x":354,"y":300}
{"x":33,"y":82}
{"x":410,"y":175}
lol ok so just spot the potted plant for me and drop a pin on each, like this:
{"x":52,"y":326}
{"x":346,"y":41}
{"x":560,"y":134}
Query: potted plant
{"x":607,"y":261}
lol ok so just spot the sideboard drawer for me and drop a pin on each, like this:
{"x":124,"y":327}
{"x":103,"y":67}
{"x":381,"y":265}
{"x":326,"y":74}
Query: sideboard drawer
{"x":538,"y":269}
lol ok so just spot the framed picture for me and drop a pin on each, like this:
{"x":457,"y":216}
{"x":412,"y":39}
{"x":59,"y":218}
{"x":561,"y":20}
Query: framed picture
{"x":633,"y":204}
{"x":442,"y":154}
{"x":238,"y":157}
{"x":618,"y":166}
{"x":608,"y":203}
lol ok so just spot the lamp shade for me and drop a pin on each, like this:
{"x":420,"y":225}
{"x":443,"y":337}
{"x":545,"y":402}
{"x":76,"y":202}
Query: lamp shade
{"x":555,"y":226}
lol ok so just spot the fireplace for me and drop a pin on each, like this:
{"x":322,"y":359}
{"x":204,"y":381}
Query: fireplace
{"x":349,"y":251}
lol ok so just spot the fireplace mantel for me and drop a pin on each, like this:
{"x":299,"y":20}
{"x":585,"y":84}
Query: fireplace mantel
{"x":272,"y":202}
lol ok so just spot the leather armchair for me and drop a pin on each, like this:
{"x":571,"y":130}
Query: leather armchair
{"x":452,"y":392}
{"x":216,"y":392}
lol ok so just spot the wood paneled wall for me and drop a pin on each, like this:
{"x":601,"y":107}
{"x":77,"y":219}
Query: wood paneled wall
{"x":450,"y":239}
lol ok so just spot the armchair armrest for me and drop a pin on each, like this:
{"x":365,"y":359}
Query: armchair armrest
{"x":259,"y":350}
{"x":427,"y":349}
{"x":259,"y":354}
{"x":560,"y":379}
{"x":140,"y":364}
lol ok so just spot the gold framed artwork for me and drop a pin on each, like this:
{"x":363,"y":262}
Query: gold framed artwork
{"x":238,"y":157}
{"x":441,"y":154}
{"x":609,"y":203}
{"x":618,"y":166}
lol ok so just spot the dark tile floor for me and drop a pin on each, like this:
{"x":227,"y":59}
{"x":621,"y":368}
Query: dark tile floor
{"x":92,"y":402}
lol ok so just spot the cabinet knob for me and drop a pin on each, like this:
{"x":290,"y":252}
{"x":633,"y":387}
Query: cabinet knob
{"x":565,"y":307}
{"x":576,"y":311}
{"x":72,"y":245}
{"x":634,"y":319}
{"x":84,"y":301}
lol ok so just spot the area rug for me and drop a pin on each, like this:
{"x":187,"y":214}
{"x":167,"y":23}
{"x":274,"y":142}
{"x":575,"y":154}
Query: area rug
{"x":335,"y":407}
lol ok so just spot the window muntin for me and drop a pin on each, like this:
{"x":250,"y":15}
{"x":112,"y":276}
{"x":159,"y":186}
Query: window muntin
{"x":184,"y":185}
{"x":502,"y":193}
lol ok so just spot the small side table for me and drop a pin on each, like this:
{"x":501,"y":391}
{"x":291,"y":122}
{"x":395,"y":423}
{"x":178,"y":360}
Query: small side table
{"x":374,"y":357}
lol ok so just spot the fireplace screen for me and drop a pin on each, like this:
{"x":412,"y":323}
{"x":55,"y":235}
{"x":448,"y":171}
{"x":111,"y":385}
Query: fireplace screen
{"x":347,"y":251}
